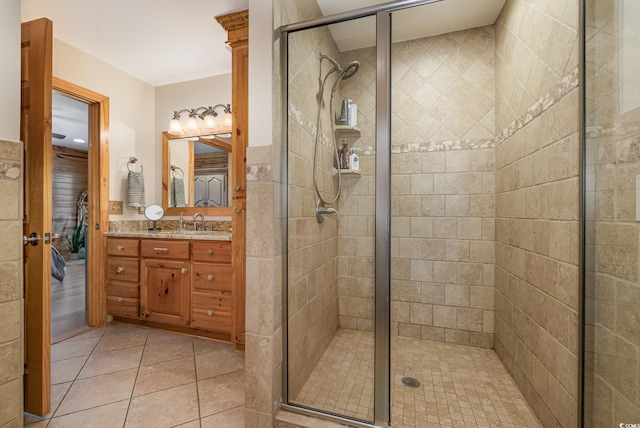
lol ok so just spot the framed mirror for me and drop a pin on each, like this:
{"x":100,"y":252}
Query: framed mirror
{"x":196,"y":174}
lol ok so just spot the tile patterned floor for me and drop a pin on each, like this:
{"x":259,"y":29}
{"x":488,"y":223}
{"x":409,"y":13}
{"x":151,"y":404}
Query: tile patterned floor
{"x":461,"y":386}
{"x":126,"y":376}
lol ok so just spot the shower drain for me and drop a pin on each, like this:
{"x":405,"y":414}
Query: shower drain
{"x":410,"y":382}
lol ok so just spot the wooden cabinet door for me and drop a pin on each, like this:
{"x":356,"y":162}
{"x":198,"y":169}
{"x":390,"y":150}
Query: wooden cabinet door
{"x":164,"y":291}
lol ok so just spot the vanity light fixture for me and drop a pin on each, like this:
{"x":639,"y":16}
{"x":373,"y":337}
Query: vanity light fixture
{"x":202,"y":119}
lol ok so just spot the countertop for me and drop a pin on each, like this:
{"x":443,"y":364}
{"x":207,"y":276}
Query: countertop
{"x":174,"y":234}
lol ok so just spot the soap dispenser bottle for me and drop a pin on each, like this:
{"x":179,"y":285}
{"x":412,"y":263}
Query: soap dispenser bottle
{"x":354,"y":160}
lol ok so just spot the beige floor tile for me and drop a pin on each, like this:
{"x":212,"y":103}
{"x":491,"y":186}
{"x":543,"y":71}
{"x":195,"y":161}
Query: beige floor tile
{"x":166,"y":408}
{"x":120,"y":337}
{"x":218,"y":363}
{"x":36,"y":423}
{"x":107,"y":416}
{"x":192,"y":424}
{"x":165,"y":375}
{"x":96,"y":391}
{"x":155,"y":336}
{"x":66,"y":370}
{"x":221,"y":393}
{"x":77,"y":348}
{"x":111,"y":361}
{"x":96,"y":333}
{"x":202,"y":346}
{"x":232,"y":418}
{"x":58,"y":393}
{"x":166,"y":351}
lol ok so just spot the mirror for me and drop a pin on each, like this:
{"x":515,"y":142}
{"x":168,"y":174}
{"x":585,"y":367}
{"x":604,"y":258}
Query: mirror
{"x":196,"y":174}
{"x":153,"y":213}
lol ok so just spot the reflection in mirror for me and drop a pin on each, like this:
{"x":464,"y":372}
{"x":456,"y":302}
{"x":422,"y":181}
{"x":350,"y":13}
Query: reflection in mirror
{"x":196,"y":174}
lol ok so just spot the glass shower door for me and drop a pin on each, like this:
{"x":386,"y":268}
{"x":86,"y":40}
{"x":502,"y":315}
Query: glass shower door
{"x":331,"y":108}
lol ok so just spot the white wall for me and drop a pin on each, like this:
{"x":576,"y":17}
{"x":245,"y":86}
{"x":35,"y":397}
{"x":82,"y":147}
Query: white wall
{"x":131,"y":122}
{"x":10,"y":82}
{"x":261,"y":74}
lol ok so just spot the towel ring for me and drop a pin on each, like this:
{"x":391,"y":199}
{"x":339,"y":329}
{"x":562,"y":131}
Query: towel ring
{"x":132,"y":161}
{"x":174,"y":169}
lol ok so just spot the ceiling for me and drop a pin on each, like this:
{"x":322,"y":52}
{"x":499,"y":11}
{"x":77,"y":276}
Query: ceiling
{"x":428,"y":20}
{"x":157,"y":41}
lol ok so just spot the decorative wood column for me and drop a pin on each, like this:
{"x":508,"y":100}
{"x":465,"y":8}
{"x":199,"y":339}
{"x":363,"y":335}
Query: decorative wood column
{"x":237,"y":27}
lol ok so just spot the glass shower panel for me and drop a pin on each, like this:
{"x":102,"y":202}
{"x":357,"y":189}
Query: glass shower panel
{"x":612,"y":167}
{"x":331,"y":217}
{"x":442,"y":131}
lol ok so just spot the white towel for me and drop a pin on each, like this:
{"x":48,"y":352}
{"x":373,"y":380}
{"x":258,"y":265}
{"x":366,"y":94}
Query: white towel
{"x":177,"y":192}
{"x":135,"y":190}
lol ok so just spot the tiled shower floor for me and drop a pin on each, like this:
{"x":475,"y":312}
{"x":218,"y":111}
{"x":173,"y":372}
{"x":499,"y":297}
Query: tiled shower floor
{"x":126,"y":376}
{"x":461,"y":386}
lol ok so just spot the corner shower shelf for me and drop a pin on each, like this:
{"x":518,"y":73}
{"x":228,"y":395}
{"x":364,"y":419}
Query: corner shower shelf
{"x":347,"y":172}
{"x":346,"y":132}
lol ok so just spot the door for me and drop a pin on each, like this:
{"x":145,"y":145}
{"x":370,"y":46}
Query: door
{"x":164,"y":291}
{"x":35,"y":132}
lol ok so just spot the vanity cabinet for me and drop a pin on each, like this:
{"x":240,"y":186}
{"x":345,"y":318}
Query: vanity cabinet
{"x":164,"y":281}
{"x":182,"y":283}
{"x":211,"y":302}
{"x":123,"y":285}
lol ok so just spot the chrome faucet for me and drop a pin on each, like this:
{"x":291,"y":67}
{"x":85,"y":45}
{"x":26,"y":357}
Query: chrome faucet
{"x":321,"y":210}
{"x":195,"y":217}
{"x":181,"y":222}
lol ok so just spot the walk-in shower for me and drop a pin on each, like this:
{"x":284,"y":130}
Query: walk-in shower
{"x":447,"y":293}
{"x":351,"y":68}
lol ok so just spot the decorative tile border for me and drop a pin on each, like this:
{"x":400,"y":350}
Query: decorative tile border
{"x":568,"y":83}
{"x":259,"y":173}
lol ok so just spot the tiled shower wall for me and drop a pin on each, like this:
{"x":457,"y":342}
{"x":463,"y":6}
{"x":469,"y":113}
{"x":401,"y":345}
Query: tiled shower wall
{"x":11,"y":299}
{"x":612,"y":333}
{"x":313,"y":246}
{"x":442,"y":191}
{"x":537,"y":161}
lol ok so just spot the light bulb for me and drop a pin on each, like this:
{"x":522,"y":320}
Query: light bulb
{"x":210,"y":123}
{"x":192,"y":124}
{"x":175,"y":127}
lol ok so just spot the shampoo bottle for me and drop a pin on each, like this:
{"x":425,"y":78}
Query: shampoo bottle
{"x":354,"y":160}
{"x":353,"y":113}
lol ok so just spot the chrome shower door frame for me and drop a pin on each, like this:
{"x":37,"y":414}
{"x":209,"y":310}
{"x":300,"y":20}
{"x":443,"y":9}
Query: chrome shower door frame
{"x":382,"y":299}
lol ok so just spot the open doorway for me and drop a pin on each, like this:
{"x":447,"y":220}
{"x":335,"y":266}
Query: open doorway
{"x":70,"y":209}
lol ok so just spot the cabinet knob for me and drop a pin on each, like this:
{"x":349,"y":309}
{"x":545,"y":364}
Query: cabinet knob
{"x":119,"y":270}
{"x":210,"y":277}
{"x":238,"y":188}
{"x":120,"y":247}
{"x":120,"y":300}
{"x":210,"y":312}
{"x":238,"y":210}
{"x":210,"y":252}
{"x":184,"y":270}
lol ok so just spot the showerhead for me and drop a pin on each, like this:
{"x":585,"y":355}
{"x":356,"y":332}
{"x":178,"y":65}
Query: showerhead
{"x":349,"y":70}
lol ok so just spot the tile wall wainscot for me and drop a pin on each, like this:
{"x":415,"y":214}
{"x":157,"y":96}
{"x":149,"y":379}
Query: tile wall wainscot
{"x":537,"y":204}
{"x":442,"y":191}
{"x":11,"y":277}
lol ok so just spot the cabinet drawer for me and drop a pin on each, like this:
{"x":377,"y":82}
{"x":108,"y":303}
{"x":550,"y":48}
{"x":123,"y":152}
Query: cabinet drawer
{"x":123,"y":289}
{"x":211,"y":277}
{"x":123,"y":306}
{"x":211,"y":311}
{"x":212,"y":251}
{"x":164,"y":249}
{"x":122,"y":269}
{"x":123,"y":247}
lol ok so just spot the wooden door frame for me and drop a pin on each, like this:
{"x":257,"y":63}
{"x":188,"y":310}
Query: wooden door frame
{"x":98,"y":198}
